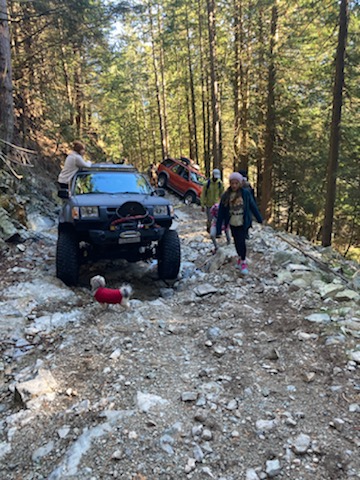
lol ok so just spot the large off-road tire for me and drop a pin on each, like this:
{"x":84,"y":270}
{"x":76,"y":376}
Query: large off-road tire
{"x":189,"y":198}
{"x":162,"y":180}
{"x":67,"y":257}
{"x":169,"y":255}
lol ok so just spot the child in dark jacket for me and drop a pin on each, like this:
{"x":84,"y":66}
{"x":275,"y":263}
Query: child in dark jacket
{"x":236,"y":208}
{"x":225,"y":228}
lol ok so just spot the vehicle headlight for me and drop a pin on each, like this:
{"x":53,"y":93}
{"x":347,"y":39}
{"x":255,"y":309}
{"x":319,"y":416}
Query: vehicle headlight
{"x":85,"y":212}
{"x":89,"y":212}
{"x":160,"y":210}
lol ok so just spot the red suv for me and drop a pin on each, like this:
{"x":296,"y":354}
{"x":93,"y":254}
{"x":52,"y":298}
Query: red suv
{"x":182,"y":177}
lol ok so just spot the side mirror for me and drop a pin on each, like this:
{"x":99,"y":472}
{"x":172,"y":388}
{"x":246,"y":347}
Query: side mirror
{"x":160,"y":192}
{"x":63,"y":193}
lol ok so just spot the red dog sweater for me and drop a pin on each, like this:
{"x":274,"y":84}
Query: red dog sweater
{"x":108,"y":295}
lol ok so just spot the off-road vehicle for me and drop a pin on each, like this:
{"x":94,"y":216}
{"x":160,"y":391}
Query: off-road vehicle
{"x":182,"y":177}
{"x":111,"y":211}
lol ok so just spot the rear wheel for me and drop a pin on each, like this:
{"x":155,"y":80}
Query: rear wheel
{"x":162,"y":180}
{"x":189,"y":197}
{"x":67,"y":257}
{"x":169,"y":255}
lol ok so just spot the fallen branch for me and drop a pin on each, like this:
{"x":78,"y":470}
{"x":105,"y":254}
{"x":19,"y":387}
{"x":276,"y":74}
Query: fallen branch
{"x":18,"y":156}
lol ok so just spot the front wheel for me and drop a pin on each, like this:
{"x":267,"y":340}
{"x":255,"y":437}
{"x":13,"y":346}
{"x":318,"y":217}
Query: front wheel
{"x":169,"y":255}
{"x":162,"y":180}
{"x":189,"y":198}
{"x":67,"y":257}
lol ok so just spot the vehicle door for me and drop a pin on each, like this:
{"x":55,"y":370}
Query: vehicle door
{"x":180,"y":179}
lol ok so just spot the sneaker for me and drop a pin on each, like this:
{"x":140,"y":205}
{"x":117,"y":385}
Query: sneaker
{"x":238,"y":264}
{"x":244,"y":268}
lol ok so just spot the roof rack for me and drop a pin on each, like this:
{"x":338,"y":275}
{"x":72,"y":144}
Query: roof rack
{"x":110,"y":166}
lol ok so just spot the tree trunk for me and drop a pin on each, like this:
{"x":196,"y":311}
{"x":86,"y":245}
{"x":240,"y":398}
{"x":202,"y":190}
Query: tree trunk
{"x":237,"y":103}
{"x":6,"y":93}
{"x":209,"y":123}
{"x":204,"y":101}
{"x":189,"y":120}
{"x":267,"y":186}
{"x":260,"y":106}
{"x":65,"y":69}
{"x":157,"y":89}
{"x":193,"y":133}
{"x":335,"y":127}
{"x":215,"y":103}
{"x":241,"y":91}
{"x":163,"y":88}
{"x":153,"y":135}
{"x":78,"y":93}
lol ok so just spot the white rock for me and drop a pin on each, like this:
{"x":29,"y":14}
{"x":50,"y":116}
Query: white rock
{"x":273,"y":468}
{"x":204,"y":289}
{"x":44,"y":383}
{"x":302,"y":443}
{"x":318,"y":318}
{"x":355,"y":356}
{"x":251,"y":474}
{"x":63,"y":431}
{"x":330,"y":290}
{"x":347,"y":295}
{"x":42,"y":451}
{"x":189,"y":396}
{"x":266,"y":425}
{"x":146,"y":401}
{"x":115,"y":354}
{"x":191,"y":464}
{"x":354,"y":408}
{"x":5,"y":448}
{"x":232,"y":405}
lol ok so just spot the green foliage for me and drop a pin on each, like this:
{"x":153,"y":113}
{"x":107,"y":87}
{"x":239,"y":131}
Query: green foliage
{"x":73,"y":77}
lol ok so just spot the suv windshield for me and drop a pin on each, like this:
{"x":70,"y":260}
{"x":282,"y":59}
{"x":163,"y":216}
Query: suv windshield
{"x":196,"y":178}
{"x":111,"y":182}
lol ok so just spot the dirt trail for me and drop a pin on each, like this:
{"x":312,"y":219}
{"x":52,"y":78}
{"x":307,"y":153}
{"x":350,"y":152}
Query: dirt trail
{"x":231,"y":385}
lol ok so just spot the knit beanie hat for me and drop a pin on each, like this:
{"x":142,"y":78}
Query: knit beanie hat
{"x":236,"y":176}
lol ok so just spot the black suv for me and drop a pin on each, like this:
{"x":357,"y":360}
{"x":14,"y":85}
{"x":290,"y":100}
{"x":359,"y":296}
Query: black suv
{"x":111,"y":211}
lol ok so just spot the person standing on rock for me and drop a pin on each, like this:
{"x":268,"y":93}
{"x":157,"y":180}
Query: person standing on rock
{"x":153,"y":176}
{"x":236,"y":208}
{"x":210,"y":194}
{"x":247,"y":186}
{"x":73,"y":162}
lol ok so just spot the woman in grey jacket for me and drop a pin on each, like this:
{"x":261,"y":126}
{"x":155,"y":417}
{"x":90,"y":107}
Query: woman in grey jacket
{"x":73,"y":162}
{"x":236,"y":208}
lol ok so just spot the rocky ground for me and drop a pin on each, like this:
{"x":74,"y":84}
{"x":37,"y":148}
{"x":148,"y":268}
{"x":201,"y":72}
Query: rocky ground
{"x":215,"y":376}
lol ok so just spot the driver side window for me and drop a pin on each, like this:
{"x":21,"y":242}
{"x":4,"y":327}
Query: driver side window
{"x":185,"y":174}
{"x":179,"y":169}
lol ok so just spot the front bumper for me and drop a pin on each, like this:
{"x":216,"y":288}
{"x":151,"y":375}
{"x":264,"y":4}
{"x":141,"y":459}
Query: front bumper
{"x":119,"y":237}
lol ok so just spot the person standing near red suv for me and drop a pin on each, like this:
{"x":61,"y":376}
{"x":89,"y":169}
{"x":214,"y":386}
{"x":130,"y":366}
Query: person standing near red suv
{"x":211,"y":193}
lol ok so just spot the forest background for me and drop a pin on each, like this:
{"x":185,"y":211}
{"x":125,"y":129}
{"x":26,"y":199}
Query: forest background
{"x":271,"y":86}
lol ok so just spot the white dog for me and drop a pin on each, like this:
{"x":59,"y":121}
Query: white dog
{"x":109,"y":295}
